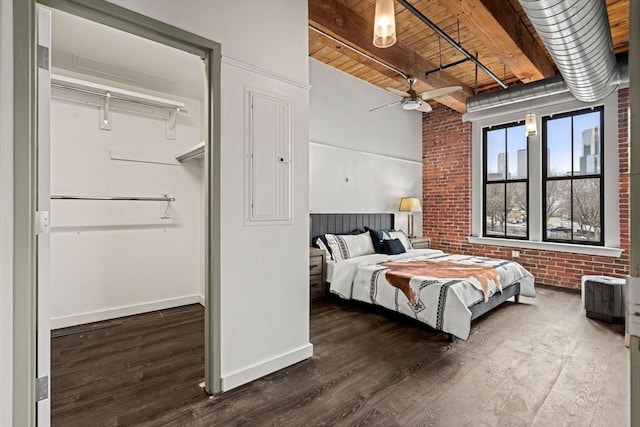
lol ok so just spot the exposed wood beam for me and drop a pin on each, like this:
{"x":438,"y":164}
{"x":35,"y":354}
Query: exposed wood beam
{"x":336,"y":19}
{"x":497,"y":25}
{"x":317,"y":40}
{"x":379,"y":75}
{"x":328,"y":51}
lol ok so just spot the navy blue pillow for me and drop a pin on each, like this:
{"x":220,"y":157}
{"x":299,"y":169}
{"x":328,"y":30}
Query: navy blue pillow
{"x":377,"y":237}
{"x":354,"y":232}
{"x":393,"y":246}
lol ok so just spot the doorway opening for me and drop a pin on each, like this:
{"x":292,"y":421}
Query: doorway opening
{"x":131,"y":179}
{"x":126,"y":213}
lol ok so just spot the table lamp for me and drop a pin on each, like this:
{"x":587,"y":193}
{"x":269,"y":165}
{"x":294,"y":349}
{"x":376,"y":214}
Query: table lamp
{"x":411,"y":205}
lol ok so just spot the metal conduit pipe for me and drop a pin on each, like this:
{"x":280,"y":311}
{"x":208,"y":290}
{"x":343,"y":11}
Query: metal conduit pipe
{"x":578,"y":38}
{"x":451,"y":41}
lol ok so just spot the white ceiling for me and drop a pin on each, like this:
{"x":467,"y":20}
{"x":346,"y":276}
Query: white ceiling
{"x":95,"y":52}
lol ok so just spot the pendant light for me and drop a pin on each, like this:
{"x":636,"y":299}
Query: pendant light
{"x":384,"y":24}
{"x":530,"y":125}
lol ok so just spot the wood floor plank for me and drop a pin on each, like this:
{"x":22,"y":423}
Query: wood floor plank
{"x":541,"y":361}
{"x":99,"y":370}
{"x":612,"y":408}
{"x":579,"y":385}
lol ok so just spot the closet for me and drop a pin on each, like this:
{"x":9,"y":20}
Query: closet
{"x":127,"y":137}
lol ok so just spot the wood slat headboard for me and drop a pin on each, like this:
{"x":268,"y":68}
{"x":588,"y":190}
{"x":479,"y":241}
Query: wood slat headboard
{"x":323,"y":223}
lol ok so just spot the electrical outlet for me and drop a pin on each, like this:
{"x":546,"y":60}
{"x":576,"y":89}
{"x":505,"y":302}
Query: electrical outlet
{"x":515,"y":254}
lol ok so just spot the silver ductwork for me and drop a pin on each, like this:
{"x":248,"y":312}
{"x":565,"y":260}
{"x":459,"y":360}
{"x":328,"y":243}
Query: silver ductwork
{"x":577,"y":35}
{"x":578,"y":38}
{"x":538,"y":89}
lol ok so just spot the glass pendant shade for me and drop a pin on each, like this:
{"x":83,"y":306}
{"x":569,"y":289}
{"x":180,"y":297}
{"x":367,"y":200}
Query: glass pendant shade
{"x":530,"y":126}
{"x":384,"y":24}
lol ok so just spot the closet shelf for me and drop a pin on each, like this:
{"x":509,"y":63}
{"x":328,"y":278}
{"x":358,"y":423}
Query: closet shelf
{"x":166,"y":108}
{"x":191,"y":153}
{"x":116,"y":93}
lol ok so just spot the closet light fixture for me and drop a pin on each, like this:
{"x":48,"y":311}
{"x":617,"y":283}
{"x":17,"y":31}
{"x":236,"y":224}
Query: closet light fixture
{"x":530,"y":125}
{"x":411,"y":205}
{"x":384,"y":24}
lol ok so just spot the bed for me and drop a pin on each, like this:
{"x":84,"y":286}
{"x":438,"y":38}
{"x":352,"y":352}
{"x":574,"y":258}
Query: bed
{"x":444,"y":291}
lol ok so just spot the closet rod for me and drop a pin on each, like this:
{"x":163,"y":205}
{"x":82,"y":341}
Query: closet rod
{"x":120,"y":98}
{"x":143,"y":199}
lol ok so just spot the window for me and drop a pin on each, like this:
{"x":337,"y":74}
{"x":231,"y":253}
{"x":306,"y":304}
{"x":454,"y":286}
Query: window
{"x":506,"y":181}
{"x":599,"y":160}
{"x":572,"y":177}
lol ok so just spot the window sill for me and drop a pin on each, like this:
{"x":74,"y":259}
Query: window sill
{"x":548,"y":246}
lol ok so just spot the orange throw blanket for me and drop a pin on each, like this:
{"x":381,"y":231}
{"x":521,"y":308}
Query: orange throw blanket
{"x":400,"y":273}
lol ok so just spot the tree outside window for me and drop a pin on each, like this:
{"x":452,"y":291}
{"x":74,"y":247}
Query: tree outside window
{"x":572,"y":174}
{"x":506,"y":181}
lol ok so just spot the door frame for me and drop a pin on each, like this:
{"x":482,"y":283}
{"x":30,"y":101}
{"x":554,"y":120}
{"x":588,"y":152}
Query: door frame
{"x":25,"y":144}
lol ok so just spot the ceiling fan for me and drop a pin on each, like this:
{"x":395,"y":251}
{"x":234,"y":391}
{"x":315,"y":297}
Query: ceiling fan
{"x":413,"y":101}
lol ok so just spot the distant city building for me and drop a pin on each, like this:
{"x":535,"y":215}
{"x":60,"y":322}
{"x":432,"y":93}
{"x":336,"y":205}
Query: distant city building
{"x":521,"y":171}
{"x":590,"y":159}
{"x":522,"y":163}
{"x":502,"y":164}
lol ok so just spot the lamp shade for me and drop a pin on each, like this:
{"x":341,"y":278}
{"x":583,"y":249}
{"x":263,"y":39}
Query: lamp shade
{"x":410,"y":204}
{"x":384,"y":24}
{"x":530,"y":126}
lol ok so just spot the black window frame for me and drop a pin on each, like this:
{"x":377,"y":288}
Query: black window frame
{"x":572,"y":177}
{"x":504,"y":181}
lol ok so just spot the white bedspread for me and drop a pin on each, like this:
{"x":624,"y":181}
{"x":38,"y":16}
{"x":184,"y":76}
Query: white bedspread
{"x":443,"y":302}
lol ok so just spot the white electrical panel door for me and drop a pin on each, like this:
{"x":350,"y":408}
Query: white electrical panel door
{"x":269,"y":134}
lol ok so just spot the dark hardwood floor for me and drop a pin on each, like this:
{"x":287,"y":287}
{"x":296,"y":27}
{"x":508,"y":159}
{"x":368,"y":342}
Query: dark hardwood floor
{"x":540,"y":362}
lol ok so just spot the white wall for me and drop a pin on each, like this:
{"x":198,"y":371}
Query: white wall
{"x":110,"y":259}
{"x":269,"y":34}
{"x":361,"y":161}
{"x":6,"y":212}
{"x":264,"y":269}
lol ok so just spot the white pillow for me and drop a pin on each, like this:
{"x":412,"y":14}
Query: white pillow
{"x":322,"y":246}
{"x":402,"y":237}
{"x":349,"y":245}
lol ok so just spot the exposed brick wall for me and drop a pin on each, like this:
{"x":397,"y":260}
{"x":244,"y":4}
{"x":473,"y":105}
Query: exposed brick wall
{"x":446,"y":160}
{"x":446,"y":179}
{"x":623,"y":164}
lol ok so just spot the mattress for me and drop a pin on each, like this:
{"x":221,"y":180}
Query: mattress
{"x":443,"y":302}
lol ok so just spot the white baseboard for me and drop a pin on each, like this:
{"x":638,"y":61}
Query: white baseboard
{"x":113,"y":313}
{"x":259,"y":370}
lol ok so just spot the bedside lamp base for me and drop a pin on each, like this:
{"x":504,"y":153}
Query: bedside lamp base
{"x":410,"y":225}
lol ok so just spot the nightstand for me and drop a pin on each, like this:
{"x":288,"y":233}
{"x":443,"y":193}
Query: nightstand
{"x":317,"y":272}
{"x":420,"y":242}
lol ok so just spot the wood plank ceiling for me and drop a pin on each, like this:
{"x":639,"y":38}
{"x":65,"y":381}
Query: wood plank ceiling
{"x":498,"y":31}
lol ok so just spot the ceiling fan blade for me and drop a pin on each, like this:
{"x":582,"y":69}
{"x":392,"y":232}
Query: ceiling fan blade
{"x":436,"y":93}
{"x":424,"y":107}
{"x":386,"y":105}
{"x":398,"y":92}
